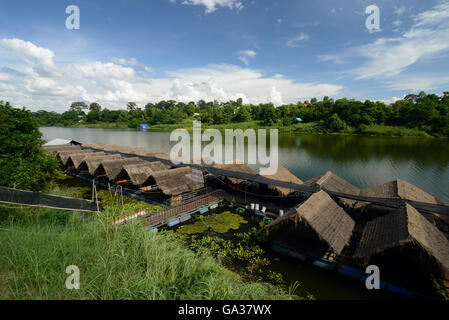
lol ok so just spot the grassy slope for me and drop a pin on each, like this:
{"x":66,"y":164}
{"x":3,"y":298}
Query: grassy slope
{"x":115,"y":263}
{"x":123,"y":262}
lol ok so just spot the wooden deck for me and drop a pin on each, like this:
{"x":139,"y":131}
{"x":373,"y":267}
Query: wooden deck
{"x":161,"y":218}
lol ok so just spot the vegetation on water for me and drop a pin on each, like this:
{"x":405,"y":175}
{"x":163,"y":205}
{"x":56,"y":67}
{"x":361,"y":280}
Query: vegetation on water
{"x":417,"y":115}
{"x":124,"y":262}
{"x":220,"y":223}
{"x":23,"y":163}
{"x":243,"y":253}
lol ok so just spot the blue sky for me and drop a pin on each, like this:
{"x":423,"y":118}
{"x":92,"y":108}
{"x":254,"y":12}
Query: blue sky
{"x":277,"y":51}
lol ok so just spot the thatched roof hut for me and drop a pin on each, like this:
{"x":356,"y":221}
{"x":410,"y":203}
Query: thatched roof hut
{"x":75,"y":159}
{"x":174,"y":181}
{"x":330,"y":222}
{"x":112,"y":167}
{"x":91,"y":163}
{"x":328,"y":219}
{"x":332,"y":182}
{"x":283,"y":174}
{"x":397,"y":189}
{"x":139,"y":173}
{"x":236,"y":167}
{"x":398,"y":229}
{"x":64,"y":156}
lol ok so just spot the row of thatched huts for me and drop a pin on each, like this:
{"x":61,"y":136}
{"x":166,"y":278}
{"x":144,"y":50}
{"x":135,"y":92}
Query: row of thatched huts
{"x":105,"y":161}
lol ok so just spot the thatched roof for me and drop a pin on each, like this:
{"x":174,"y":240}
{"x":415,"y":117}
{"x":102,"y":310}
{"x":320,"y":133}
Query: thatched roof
{"x":332,"y":182}
{"x":328,"y":219}
{"x":124,"y":149}
{"x":139,"y":151}
{"x":399,"y":228}
{"x":65,"y":155}
{"x":236,"y":167}
{"x":76,"y":159}
{"x":61,"y":147}
{"x":283,"y":174}
{"x":139,"y":173}
{"x":110,"y":147}
{"x":112,"y":167}
{"x":174,"y":181}
{"x":91,"y":163}
{"x":99,"y":145}
{"x":397,"y":189}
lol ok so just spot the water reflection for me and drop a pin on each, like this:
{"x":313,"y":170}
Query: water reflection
{"x":363,"y":161}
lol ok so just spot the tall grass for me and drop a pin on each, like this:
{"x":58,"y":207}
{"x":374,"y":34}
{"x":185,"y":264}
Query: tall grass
{"x":125,"y":262}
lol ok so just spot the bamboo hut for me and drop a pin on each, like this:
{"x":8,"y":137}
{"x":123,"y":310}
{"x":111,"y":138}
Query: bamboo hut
{"x":397,"y":189}
{"x":399,"y":229}
{"x":91,"y":163}
{"x":329,"y":221}
{"x":174,"y":182}
{"x":332,"y":182}
{"x":283,"y":174}
{"x":137,"y":174}
{"x":112,"y":167}
{"x":75,"y":159}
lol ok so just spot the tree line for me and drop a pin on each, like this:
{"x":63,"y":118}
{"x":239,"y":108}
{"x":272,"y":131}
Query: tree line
{"x":426,"y":112}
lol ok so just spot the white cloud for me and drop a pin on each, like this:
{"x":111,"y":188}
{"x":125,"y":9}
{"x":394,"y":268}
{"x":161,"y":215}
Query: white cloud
{"x":275,"y":97}
{"x":399,"y":11}
{"x":132,"y":62}
{"x":397,"y":23}
{"x":246,"y":55}
{"x":295,"y":42}
{"x":114,"y":84}
{"x":388,"y":57}
{"x":212,"y":5}
{"x":40,"y":59}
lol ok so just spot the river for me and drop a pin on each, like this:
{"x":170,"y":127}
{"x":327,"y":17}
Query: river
{"x":363,"y":161}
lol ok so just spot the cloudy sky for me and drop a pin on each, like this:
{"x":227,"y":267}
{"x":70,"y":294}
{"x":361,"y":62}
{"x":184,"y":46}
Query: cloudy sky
{"x":261,"y":50}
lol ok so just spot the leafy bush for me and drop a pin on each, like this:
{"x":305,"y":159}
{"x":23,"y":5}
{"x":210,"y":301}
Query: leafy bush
{"x":23,"y":163}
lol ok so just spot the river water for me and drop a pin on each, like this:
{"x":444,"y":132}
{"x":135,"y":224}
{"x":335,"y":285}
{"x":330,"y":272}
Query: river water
{"x":363,"y":161}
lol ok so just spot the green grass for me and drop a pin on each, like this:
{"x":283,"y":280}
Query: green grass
{"x":382,"y":130}
{"x":124,"y":262}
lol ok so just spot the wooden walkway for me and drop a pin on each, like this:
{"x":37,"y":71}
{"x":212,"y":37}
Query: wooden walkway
{"x":160,"y":218}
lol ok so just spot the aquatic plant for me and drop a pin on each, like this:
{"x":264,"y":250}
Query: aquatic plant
{"x":220,"y":223}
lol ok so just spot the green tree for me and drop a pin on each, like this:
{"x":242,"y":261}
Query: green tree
{"x":94,"y":106}
{"x":23,"y":163}
{"x":78,"y":106}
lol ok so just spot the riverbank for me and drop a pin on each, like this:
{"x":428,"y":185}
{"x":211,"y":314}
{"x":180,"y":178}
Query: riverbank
{"x":311,"y":128}
{"x":123,"y":262}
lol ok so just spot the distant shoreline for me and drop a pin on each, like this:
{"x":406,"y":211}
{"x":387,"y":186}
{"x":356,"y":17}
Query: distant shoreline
{"x":310,"y":128}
